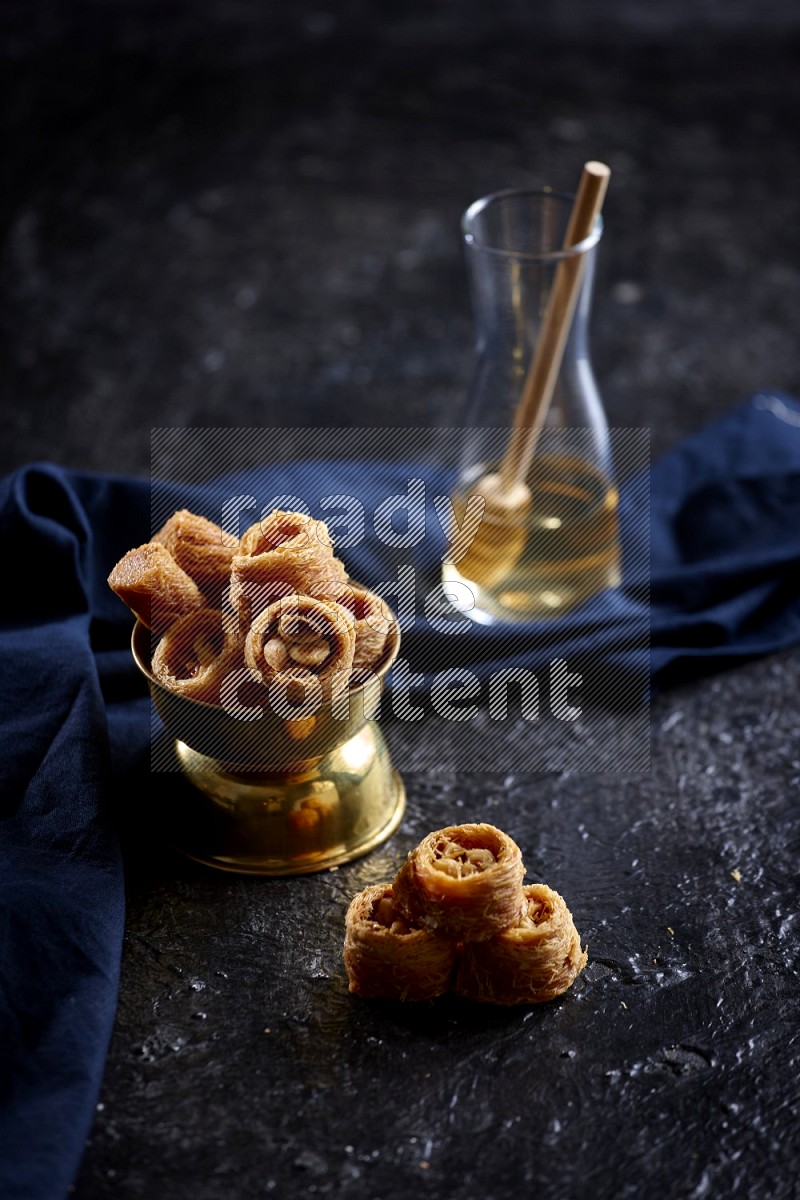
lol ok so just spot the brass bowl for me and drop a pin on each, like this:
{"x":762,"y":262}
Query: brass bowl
{"x":272,"y":796}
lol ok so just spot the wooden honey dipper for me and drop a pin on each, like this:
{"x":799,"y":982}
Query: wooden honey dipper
{"x":497,"y":543}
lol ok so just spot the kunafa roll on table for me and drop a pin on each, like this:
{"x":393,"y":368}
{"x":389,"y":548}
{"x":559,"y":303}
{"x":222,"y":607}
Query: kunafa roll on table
{"x":196,"y":655}
{"x":463,"y":886}
{"x":285,"y":553}
{"x":202,"y":549}
{"x":534,"y":960}
{"x":388,"y":958}
{"x":154,"y":586}
{"x":463,"y":882}
{"x":301,"y":639}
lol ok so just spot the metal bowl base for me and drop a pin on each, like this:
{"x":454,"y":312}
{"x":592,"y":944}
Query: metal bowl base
{"x":321,"y":814}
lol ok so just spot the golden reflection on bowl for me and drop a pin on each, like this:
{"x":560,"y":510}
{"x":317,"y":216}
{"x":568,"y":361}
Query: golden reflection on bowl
{"x":272,"y":796}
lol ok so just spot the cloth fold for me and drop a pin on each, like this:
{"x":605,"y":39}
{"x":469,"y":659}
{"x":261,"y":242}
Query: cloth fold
{"x":723,"y":585}
{"x":61,"y":884}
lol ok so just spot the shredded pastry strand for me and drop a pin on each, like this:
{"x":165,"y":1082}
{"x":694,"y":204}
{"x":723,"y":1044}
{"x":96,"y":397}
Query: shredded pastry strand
{"x":535,"y":960}
{"x":154,"y":587}
{"x":387,"y":957}
{"x":202,"y":549}
{"x":196,"y":655}
{"x":285,"y":553}
{"x":464,"y":882}
{"x":304,"y":644}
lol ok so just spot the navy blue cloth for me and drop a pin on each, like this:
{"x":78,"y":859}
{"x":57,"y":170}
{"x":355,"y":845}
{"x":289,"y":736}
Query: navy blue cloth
{"x":723,"y":585}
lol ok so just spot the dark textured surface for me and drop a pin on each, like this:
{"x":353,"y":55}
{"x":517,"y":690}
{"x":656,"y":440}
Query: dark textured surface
{"x":232,"y":213}
{"x":241,"y":1066}
{"x":242,"y":213}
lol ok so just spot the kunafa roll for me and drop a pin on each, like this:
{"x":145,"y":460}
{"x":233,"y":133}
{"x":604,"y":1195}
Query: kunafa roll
{"x":202,"y":549}
{"x":463,"y":882}
{"x":304,"y":644}
{"x":196,"y":655}
{"x":285,"y":553}
{"x":290,"y":532}
{"x":534,"y":960}
{"x":372,"y":623}
{"x":388,"y":958}
{"x":192,"y":564}
{"x":154,"y":586}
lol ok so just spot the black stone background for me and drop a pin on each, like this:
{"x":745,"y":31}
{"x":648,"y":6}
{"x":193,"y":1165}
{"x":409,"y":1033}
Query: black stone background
{"x":247,"y":213}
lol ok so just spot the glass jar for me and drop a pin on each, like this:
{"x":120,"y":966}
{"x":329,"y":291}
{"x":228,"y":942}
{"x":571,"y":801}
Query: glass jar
{"x":554,"y":543}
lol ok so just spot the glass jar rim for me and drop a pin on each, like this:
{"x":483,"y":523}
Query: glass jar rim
{"x":480,"y":205}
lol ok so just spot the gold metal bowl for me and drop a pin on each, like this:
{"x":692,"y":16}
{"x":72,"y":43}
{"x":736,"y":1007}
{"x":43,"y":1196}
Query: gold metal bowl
{"x":272,"y":796}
